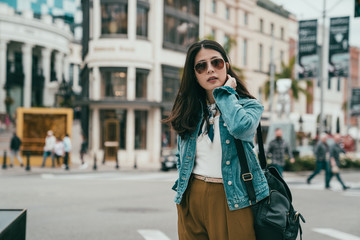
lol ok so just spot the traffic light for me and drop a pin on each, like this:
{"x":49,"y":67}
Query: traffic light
{"x":357,"y":8}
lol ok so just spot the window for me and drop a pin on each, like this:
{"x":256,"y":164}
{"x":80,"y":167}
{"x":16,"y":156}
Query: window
{"x":261,"y":25}
{"x":214,"y":6}
{"x":171,"y":83}
{"x":272,"y":29}
{"x":213,"y":33}
{"x":245,"y":52}
{"x":282,"y":33}
{"x":114,"y":81}
{"x":142,"y":19}
{"x":246,"y":18}
{"x":181,"y":24}
{"x":260,"y":57}
{"x":227,"y":44}
{"x":227,"y":13}
{"x":114,"y":17}
{"x":141,"y":83}
{"x":140,"y":129}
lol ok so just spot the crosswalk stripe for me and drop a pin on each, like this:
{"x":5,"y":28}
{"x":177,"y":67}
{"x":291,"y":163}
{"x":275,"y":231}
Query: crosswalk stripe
{"x":336,"y":234}
{"x":149,"y":234}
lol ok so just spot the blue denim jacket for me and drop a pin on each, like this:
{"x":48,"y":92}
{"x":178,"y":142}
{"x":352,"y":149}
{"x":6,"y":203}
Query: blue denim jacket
{"x":239,"y":118}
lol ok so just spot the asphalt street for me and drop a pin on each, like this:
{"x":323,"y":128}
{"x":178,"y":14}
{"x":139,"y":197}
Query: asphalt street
{"x":138,"y":204}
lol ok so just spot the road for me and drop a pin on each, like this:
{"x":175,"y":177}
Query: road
{"x":138,"y":205}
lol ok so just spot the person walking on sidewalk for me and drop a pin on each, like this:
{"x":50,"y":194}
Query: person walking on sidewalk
{"x":322,"y":155}
{"x":50,"y":141}
{"x":277,"y":150}
{"x":67,"y":148}
{"x":212,"y":107}
{"x":15,"y":144}
{"x":335,"y":151}
{"x":83,"y":151}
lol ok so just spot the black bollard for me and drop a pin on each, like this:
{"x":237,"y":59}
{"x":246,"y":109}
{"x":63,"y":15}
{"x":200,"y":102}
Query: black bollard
{"x":135,"y":165}
{"x":4,"y":161}
{"x":27,"y":161}
{"x":103,"y":161}
{"x":117,"y":161}
{"x":95,"y":167}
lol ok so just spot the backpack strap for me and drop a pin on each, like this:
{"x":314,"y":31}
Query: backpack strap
{"x":246,"y":175}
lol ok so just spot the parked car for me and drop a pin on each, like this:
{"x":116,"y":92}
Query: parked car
{"x":168,"y":159}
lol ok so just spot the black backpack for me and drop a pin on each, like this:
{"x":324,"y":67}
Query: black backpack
{"x":274,"y":217}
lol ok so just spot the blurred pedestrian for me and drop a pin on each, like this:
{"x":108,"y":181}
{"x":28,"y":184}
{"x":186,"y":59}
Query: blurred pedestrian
{"x":83,"y":151}
{"x":277,"y":150}
{"x":321,"y":152}
{"x":7,"y":121}
{"x":67,"y":148}
{"x":212,"y":107}
{"x":15,"y":144}
{"x":50,"y":141}
{"x":59,"y":150}
{"x":335,"y":151}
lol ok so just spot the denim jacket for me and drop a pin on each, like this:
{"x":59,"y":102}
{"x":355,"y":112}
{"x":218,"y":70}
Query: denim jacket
{"x":239,"y":118}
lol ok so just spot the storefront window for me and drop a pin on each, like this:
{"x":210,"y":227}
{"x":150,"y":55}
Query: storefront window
{"x":181,"y":25}
{"x":141,"y":83}
{"x":140,"y":129}
{"x":142,"y":19}
{"x":114,"y":15}
{"x":114,"y":81}
{"x":107,"y":118}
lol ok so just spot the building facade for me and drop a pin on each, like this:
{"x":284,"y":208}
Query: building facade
{"x":37,"y":52}
{"x":133,"y":52}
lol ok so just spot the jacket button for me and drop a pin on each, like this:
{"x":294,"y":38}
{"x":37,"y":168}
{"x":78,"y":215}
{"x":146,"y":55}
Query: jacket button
{"x":236,"y":205}
{"x":227,"y":141}
{"x":229,"y":183}
{"x":225,"y":125}
{"x":227,"y":162}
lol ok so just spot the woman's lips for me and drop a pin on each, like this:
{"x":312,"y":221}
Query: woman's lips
{"x":211,"y":79}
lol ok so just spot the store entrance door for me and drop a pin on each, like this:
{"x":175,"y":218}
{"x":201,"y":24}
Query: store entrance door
{"x":112,"y":137}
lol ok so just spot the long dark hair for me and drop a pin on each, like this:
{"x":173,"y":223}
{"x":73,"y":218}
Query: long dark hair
{"x":185,"y":114}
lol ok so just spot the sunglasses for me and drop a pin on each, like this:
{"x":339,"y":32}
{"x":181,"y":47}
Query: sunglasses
{"x":217,"y":63}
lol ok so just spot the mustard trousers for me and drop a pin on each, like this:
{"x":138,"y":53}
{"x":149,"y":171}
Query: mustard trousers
{"x":204,"y":215}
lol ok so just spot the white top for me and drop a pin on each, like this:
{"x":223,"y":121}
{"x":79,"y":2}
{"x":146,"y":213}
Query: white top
{"x":49,"y":143}
{"x":59,"y":148}
{"x":208,"y":154}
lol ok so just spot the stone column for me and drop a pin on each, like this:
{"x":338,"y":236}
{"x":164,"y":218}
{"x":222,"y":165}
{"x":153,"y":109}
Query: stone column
{"x":66,"y":68}
{"x":96,"y":20}
{"x":76,"y":86}
{"x":131,"y":83}
{"x":45,"y":62}
{"x":96,"y":88}
{"x":95,"y":138}
{"x":27,"y":67}
{"x":58,"y":66}
{"x":132,"y":13}
{"x":3,"y":46}
{"x":130,"y":137}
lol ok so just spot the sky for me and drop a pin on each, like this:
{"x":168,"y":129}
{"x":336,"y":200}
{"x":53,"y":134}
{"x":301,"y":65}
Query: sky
{"x":312,"y":9}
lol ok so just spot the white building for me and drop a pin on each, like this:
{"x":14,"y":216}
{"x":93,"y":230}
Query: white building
{"x":133,"y":52}
{"x":35,"y":56}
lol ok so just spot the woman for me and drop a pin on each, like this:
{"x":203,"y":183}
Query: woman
{"x":211,"y":108}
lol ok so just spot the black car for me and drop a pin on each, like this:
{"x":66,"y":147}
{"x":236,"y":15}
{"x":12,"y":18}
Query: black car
{"x":168,"y":159}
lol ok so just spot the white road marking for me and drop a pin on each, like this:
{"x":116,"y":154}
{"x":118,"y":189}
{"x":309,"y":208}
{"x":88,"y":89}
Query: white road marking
{"x":336,"y":234}
{"x":114,"y":176}
{"x":149,"y":234}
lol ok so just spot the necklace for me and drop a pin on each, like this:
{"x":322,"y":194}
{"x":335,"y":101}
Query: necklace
{"x":212,"y":112}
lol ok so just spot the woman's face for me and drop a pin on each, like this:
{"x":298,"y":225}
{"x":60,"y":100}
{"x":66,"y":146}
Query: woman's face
{"x":210,"y":69}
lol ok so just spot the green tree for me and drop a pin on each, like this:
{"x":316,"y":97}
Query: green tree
{"x":295,"y":86}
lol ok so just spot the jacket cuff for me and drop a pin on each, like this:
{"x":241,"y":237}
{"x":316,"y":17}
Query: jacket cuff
{"x":227,"y":89}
